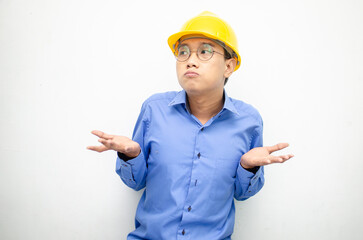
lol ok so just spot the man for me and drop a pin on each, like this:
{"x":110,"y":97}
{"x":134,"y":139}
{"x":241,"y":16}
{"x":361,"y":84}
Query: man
{"x":195,"y":150}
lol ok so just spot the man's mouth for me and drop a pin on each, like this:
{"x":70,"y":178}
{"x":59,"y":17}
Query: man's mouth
{"x":191,"y":74}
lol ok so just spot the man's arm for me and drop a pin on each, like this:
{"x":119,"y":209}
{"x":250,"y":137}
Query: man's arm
{"x":248,"y":182}
{"x":131,"y":154}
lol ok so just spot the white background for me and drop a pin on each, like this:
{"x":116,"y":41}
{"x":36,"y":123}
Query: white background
{"x":68,"y":67}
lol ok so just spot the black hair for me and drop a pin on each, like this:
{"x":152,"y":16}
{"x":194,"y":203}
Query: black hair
{"x":227,"y":55}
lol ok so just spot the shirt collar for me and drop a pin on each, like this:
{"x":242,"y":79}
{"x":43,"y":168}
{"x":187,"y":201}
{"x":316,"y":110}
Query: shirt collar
{"x":228,"y":104}
{"x":180,"y":98}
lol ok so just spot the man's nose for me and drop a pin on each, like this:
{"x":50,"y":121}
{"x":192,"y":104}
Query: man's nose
{"x":193,"y":60}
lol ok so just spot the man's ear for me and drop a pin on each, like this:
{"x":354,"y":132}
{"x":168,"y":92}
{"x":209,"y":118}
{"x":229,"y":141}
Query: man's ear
{"x":230,"y":66}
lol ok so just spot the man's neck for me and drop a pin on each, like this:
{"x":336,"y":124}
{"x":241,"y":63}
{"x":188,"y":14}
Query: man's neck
{"x":204,"y":107}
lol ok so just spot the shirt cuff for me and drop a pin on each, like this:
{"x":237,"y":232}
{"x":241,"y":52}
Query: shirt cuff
{"x":245,"y":176}
{"x":125,"y":166}
{"x":252,"y":170}
{"x":124,"y":157}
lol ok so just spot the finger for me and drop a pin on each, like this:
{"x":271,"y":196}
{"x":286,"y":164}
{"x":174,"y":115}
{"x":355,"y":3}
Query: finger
{"x":286,"y":157}
{"x":274,"y":159}
{"x":108,"y":143}
{"x":98,"y":148}
{"x":277,"y":147}
{"x":278,"y":159}
{"x":101,"y":134}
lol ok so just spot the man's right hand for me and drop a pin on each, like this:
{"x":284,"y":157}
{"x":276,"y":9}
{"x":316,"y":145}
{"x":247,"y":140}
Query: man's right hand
{"x":118,"y":143}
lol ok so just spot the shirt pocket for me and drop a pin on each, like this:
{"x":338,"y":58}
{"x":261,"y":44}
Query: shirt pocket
{"x":223,"y":178}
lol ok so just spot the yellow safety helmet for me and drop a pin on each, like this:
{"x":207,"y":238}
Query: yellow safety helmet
{"x":211,"y":26}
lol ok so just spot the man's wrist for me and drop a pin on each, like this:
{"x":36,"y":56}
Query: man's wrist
{"x":126,"y":157}
{"x":246,"y":166}
{"x":253,"y":169}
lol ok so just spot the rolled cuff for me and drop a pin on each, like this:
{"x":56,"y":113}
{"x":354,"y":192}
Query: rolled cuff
{"x":249,"y":177}
{"x":126,"y":167}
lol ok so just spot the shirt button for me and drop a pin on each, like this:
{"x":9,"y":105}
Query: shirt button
{"x":183,"y":232}
{"x":189,"y":208}
{"x":202,"y":129}
{"x":198,"y":155}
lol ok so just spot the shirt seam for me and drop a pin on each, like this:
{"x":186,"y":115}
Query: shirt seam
{"x":253,"y":136}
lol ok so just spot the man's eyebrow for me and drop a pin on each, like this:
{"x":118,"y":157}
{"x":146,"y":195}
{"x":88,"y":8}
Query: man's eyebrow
{"x":182,"y":45}
{"x":185,"y":44}
{"x":209,"y":43}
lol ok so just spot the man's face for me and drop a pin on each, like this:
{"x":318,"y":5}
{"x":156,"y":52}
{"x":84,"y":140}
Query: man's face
{"x":198,"y":77}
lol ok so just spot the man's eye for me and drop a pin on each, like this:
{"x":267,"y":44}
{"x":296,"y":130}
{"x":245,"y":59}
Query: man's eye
{"x":206,"y":49}
{"x":183,"y":51}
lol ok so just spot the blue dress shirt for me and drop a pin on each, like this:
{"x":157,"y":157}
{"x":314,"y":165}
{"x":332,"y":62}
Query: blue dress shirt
{"x":190,"y":171}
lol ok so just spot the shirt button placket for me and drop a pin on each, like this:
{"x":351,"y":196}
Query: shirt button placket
{"x":183,"y":232}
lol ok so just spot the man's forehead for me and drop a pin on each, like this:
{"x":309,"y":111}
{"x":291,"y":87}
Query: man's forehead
{"x":197,"y":39}
{"x":194,"y":36}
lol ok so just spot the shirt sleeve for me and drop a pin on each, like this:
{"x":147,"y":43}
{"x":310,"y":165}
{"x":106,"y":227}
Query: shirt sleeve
{"x":132,"y":171}
{"x":248,"y":182}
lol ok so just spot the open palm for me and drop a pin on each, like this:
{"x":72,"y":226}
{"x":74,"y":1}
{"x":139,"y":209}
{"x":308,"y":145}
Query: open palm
{"x":261,"y":156}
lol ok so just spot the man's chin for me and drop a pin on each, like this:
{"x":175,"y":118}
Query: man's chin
{"x":193,"y":91}
{"x":194,"y":88}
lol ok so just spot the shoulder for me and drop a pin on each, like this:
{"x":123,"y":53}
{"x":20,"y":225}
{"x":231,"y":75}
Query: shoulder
{"x":246,"y":110}
{"x":160,"y":98}
{"x":155,"y":103}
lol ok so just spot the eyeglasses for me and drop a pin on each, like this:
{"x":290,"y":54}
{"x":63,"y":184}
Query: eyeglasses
{"x":204,"y":52}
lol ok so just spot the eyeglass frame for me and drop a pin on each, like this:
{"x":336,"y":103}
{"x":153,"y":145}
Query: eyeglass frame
{"x":190,"y":53}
